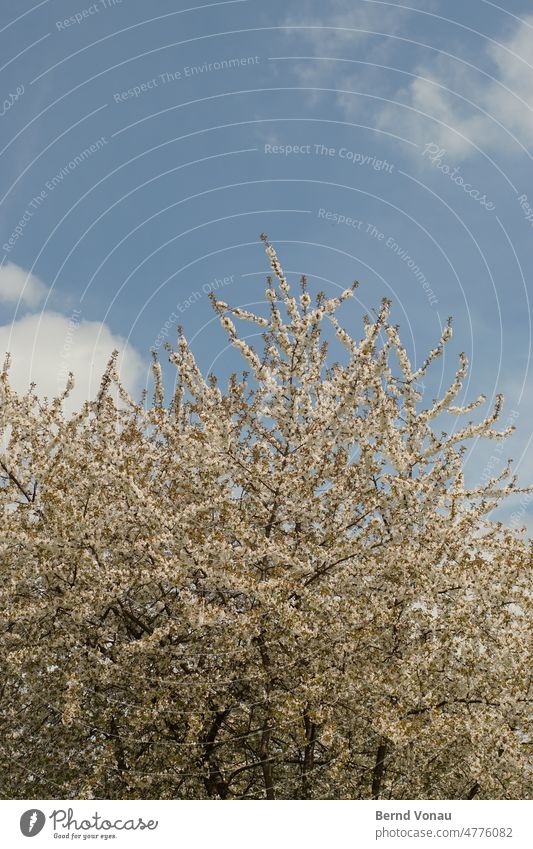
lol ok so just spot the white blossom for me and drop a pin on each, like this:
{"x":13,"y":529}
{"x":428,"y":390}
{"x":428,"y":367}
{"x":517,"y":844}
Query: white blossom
{"x":283,"y":589}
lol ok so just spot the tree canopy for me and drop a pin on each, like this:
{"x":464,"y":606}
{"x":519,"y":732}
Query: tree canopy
{"x":280,"y":589}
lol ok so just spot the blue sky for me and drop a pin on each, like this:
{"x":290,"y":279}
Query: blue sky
{"x":144,"y":147}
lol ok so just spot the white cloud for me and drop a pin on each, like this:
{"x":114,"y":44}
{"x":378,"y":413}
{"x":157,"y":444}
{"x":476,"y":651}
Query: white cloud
{"x":500,"y":115}
{"x":18,"y":285}
{"x":45,"y":347}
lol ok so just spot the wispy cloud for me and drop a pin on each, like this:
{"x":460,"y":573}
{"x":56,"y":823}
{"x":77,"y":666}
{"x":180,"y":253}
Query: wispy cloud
{"x":464,"y":109}
{"x":340,"y":29}
{"x":19,"y":286}
{"x":483,"y":99}
{"x":341,"y":23}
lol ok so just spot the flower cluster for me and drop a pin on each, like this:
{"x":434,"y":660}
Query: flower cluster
{"x":280,"y":590}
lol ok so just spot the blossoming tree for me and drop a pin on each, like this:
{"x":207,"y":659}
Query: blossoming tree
{"x":282,"y":589}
